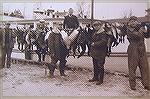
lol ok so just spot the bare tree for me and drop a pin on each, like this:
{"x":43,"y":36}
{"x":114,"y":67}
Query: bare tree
{"x":130,"y":13}
{"x":127,"y":14}
{"x":80,"y":9}
{"x":83,"y":9}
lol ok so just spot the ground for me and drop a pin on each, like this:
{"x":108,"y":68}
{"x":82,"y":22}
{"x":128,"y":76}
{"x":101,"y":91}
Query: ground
{"x":31,"y":80}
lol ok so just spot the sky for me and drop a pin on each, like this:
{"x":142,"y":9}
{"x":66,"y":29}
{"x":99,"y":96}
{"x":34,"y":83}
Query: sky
{"x":101,"y":10}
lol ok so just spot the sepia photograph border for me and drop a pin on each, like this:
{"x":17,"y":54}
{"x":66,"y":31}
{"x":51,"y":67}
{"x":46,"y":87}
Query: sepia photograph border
{"x":68,"y":97}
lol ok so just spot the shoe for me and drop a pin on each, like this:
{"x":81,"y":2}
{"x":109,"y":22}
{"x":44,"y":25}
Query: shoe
{"x":93,"y":79}
{"x":99,"y":82}
{"x":63,"y":75}
{"x":133,"y":88}
{"x":52,"y":76}
{"x":147,"y":88}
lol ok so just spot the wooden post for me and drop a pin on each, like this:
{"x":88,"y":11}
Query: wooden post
{"x":92,"y":11}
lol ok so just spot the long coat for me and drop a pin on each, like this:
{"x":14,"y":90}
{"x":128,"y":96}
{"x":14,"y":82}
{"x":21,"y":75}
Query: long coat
{"x":1,"y":37}
{"x":1,"y":47}
{"x":56,"y":45}
{"x":99,"y":49}
{"x":10,"y":40}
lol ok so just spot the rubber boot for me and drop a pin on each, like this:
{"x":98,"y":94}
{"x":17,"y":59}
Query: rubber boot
{"x":51,"y":68}
{"x":43,"y":58}
{"x":95,"y":78}
{"x":62,"y":68}
{"x":101,"y":76}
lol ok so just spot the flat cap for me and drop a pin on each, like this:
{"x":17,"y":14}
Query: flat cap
{"x":133,"y":18}
{"x":7,"y":23}
{"x":97,"y":23}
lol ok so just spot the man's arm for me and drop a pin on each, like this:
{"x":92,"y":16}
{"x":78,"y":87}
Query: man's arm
{"x":77,"y":22}
{"x":64,"y":23}
{"x":51,"y":43}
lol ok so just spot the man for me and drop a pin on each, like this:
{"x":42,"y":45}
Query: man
{"x":137,"y":53}
{"x":98,"y":52}
{"x":40,"y":40}
{"x":9,"y":40}
{"x":70,"y":21}
{"x":31,"y":37}
{"x":58,"y":51}
{"x":1,"y":47}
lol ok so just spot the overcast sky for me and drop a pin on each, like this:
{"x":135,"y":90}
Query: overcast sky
{"x":101,"y":10}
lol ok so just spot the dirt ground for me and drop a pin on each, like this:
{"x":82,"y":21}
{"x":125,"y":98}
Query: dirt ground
{"x":30,"y":80}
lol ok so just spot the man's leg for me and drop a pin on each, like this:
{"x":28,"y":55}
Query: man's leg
{"x":132,"y":66}
{"x":38,"y":52}
{"x":52,"y":66}
{"x":144,"y":70}
{"x":9,"y":51}
{"x":3,"y":57}
{"x":89,"y":48}
{"x":62,"y":65}
{"x":100,"y":63}
{"x":95,"y":66}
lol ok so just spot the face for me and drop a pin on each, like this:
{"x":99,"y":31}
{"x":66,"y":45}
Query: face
{"x":60,"y":27}
{"x":97,"y":26}
{"x":133,"y":23}
{"x":70,"y":11}
{"x":7,"y":26}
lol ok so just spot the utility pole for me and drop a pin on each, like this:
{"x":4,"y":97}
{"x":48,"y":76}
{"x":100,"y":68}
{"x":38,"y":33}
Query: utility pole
{"x":92,"y":11}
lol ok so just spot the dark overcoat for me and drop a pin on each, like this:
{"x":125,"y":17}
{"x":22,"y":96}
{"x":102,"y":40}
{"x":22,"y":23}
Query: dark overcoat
{"x":99,"y":49}
{"x":56,"y":45}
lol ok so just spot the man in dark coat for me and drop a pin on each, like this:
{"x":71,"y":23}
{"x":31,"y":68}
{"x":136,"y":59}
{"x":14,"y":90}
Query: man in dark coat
{"x":41,"y":43}
{"x":9,"y":40}
{"x":137,"y":53}
{"x":98,"y":52}
{"x":1,"y":47}
{"x":71,"y":21}
{"x":58,"y":51}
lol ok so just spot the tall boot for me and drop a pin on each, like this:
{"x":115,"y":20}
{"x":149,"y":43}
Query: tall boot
{"x":43,"y":58}
{"x":101,"y":76}
{"x":39,"y":57}
{"x":51,"y":68}
{"x":95,"y":78}
{"x":62,"y":68}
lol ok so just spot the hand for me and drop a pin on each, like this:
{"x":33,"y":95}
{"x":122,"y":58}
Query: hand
{"x":52,"y":55}
{"x":92,"y":44}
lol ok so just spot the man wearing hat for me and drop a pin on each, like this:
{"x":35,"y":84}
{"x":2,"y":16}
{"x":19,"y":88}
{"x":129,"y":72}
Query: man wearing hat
{"x":58,"y":50}
{"x":137,"y":53}
{"x":41,"y":31}
{"x":98,"y":52}
{"x":9,"y":40}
